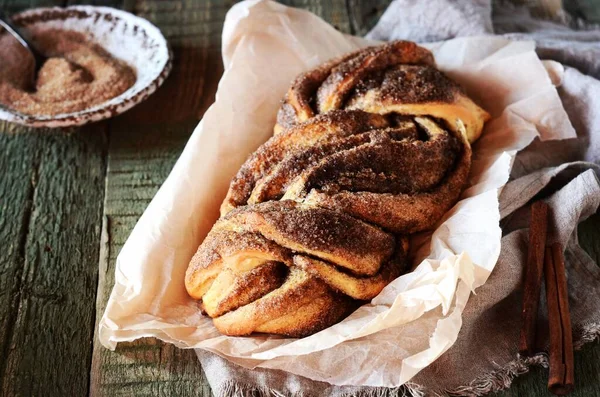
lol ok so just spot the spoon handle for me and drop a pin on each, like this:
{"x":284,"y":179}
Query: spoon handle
{"x":24,"y":41}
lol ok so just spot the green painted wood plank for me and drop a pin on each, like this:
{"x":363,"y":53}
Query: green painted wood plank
{"x":144,"y":145}
{"x":18,"y":163}
{"x":334,"y":11}
{"x":14,"y":6}
{"x":46,"y":282}
{"x":589,"y":236}
{"x":51,"y":199}
{"x":103,"y":3}
{"x":365,"y":14}
{"x":52,"y":189}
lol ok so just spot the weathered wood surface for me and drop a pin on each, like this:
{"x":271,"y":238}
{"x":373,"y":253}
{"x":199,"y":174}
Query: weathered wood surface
{"x":51,"y":208}
{"x":144,"y":145}
{"x":68,"y":201}
{"x":51,"y":192}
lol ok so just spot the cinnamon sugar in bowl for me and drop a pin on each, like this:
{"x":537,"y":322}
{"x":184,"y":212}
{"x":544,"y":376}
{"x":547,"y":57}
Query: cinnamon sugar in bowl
{"x":101,"y":62}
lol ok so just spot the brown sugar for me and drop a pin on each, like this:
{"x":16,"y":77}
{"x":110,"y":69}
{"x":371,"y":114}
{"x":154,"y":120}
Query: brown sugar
{"x":78,"y":74}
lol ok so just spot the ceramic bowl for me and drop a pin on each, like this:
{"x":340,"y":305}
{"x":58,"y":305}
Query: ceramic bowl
{"x":131,"y":39}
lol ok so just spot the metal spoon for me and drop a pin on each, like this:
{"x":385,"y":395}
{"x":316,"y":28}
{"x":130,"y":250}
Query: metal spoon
{"x":38,"y":58}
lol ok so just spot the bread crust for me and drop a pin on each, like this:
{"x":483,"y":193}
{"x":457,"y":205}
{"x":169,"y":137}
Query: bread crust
{"x":368,"y":149}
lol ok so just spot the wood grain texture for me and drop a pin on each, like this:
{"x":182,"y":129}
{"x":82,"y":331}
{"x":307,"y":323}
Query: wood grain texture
{"x":50,"y":210}
{"x":14,"y":6}
{"x":139,"y":161}
{"x":48,"y":280}
{"x":365,"y":14}
{"x":334,"y":11}
{"x":69,"y":202}
{"x":144,"y":145}
{"x":19,"y":166}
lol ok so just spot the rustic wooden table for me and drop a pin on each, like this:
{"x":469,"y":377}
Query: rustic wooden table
{"x":69,"y":199}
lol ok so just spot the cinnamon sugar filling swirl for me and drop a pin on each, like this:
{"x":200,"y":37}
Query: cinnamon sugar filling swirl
{"x":368,"y":149}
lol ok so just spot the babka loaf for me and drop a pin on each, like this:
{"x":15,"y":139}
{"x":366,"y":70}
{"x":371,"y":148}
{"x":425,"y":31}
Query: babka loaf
{"x":368,"y":149}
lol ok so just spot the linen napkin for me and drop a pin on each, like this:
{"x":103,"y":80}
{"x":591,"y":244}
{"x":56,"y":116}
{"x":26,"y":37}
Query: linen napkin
{"x":563,"y":173}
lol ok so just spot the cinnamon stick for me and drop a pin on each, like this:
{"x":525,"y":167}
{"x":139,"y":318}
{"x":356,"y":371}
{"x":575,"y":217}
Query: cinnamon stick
{"x":533,"y":276}
{"x":561,"y":379}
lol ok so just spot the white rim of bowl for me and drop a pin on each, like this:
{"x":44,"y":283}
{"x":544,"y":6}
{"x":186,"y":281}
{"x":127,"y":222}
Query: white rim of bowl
{"x":111,"y":107}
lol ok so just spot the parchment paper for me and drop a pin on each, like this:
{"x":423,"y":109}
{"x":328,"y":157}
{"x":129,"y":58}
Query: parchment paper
{"x":414,"y":319}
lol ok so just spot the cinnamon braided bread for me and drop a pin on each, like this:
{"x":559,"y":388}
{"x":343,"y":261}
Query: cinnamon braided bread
{"x":368,"y":149}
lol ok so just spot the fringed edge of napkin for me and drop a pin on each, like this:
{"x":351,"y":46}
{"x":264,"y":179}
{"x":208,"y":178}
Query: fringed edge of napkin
{"x":495,"y":381}
{"x":503,"y":378}
{"x":236,"y":389}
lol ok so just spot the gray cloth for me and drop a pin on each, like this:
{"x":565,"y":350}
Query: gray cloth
{"x":563,"y":173}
